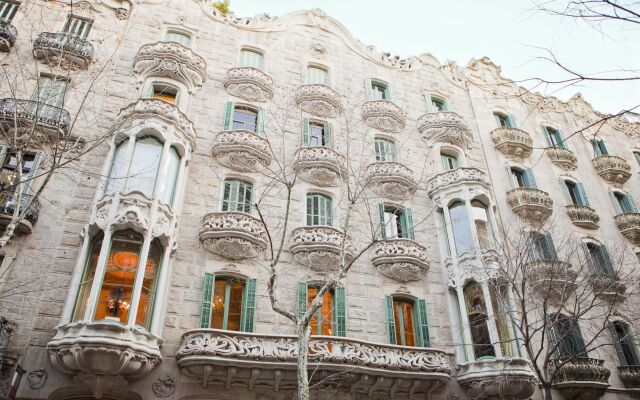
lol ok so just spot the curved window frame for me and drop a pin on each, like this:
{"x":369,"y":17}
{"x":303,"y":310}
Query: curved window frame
{"x":129,"y":161}
{"x":503,"y":120}
{"x":317,"y":75}
{"x":179,"y":36}
{"x":251,"y":57}
{"x":488,"y":238}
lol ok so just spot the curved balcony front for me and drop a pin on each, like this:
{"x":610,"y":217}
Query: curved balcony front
{"x":532,"y":205}
{"x":171,"y":60}
{"x":234,"y":235}
{"x":629,"y":226}
{"x":320,"y":248}
{"x":403,"y":260}
{"x":383,"y":115}
{"x":319,"y":100}
{"x":254,"y":360}
{"x":391,"y":180}
{"x":583,"y":216}
{"x":562,"y":158}
{"x":612,"y":169}
{"x":608,"y":288}
{"x":630,"y":376}
{"x":63,"y":50}
{"x":509,"y":378}
{"x":552,"y":279}
{"x":319,"y":165}
{"x":25,"y":116}
{"x":513,"y":143}
{"x":8,"y":34}
{"x":250,"y":84}
{"x":242,"y":150}
{"x":29,"y":208}
{"x":581,"y":378}
{"x":445,"y":126}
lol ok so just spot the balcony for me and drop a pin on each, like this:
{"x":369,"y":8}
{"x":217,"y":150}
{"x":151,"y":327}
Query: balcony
{"x":242,"y":150}
{"x":510,"y":378}
{"x":552,"y":279}
{"x":253,"y":360}
{"x":249,"y":84}
{"x":612,"y":169}
{"x":630,"y":376}
{"x":319,"y":100}
{"x":629,"y":226}
{"x":8,"y":36}
{"x":391,"y":180}
{"x":233,"y":235}
{"x":608,"y":288}
{"x":532,"y":205}
{"x":513,"y":143}
{"x":29,"y":208}
{"x":319,"y":165}
{"x":171,"y":60}
{"x":104,"y":355}
{"x":383,"y":115}
{"x":401,"y":259}
{"x":583,"y":216}
{"x":25,"y":115}
{"x":454,"y":178}
{"x":320,"y":247}
{"x":581,"y":378}
{"x":445,"y":126}
{"x":63,"y":50}
{"x":562,"y":158}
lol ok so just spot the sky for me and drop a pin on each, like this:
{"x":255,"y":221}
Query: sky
{"x":510,"y":32}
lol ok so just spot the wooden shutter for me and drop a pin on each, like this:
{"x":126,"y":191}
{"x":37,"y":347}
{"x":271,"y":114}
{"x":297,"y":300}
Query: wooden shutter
{"x":529,"y":179}
{"x":260,"y":122}
{"x":512,"y":179}
{"x":302,"y":298}
{"x":629,"y":204}
{"x":3,"y":154}
{"x":207,"y":299}
{"x":565,"y":192}
{"x":391,"y":324}
{"x":248,"y":305}
{"x":389,"y":93}
{"x":367,"y":89}
{"x":587,"y":255}
{"x":603,"y":147}
{"x":7,"y":11}
{"x":582,"y":195}
{"x":553,"y":335}
{"x":616,"y":203}
{"x":383,"y":227}
{"x":340,"y":313}
{"x":228,"y":116}
{"x":327,"y":135}
{"x":30,"y":177}
{"x":606,"y":261}
{"x":547,"y":136}
{"x":406,"y":220}
{"x":549,"y":248}
{"x":561,"y":142}
{"x":305,"y":132}
{"x":422,"y":325}
{"x":616,"y":342}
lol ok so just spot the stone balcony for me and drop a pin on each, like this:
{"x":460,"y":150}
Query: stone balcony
{"x":445,"y":126}
{"x":401,"y":259}
{"x":104,"y":355}
{"x":581,"y":378}
{"x":25,"y":115}
{"x":29,"y":209}
{"x":608,"y":288}
{"x":250,"y":84}
{"x":612,"y":169}
{"x":8,"y":34}
{"x":513,"y":143}
{"x":234,"y":235}
{"x":383,"y":115}
{"x":320,"y":248}
{"x":318,"y":165}
{"x":552,"y":279}
{"x":319,"y":100}
{"x":391,"y":180}
{"x":532,"y":205}
{"x":453,"y":178}
{"x":629,"y":226}
{"x":242,"y":150}
{"x":630,"y":376}
{"x":63,"y":50}
{"x":171,"y":60}
{"x":269,"y":362}
{"x":497,"y":378}
{"x":562,"y":158}
{"x":583,"y":216}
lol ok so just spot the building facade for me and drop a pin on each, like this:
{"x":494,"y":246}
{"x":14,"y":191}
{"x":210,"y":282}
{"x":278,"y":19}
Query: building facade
{"x":142,"y":272}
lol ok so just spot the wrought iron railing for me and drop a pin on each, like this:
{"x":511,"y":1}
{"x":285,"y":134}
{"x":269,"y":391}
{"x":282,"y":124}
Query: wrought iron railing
{"x":29,"y":207}
{"x":30,"y":111}
{"x":8,"y":32}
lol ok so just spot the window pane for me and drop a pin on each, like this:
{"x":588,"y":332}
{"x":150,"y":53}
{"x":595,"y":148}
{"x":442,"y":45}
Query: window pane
{"x":87,"y":279}
{"x":249,"y":58}
{"x":144,"y":166}
{"x":403,"y":316}
{"x":503,"y":322}
{"x":322,"y":321}
{"x":172,"y":176}
{"x":462,"y":234}
{"x":218,"y":305}
{"x":477,"y":312}
{"x":178,"y":37}
{"x":316,"y":135}
{"x":378,"y":91}
{"x":149,"y":280}
{"x":165,"y":92}
{"x":235,"y":305}
{"x":437,"y":104}
{"x":318,"y":210}
{"x":7,"y":10}
{"x":481,"y":221}
{"x":245,"y":119}
{"x":236,"y":196}
{"x":317,"y":75}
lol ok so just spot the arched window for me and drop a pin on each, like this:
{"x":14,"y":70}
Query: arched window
{"x":565,"y":333}
{"x":462,"y":235}
{"x":478,"y":319}
{"x":228,"y":302}
{"x":503,"y":120}
{"x":623,"y":203}
{"x":140,"y":172}
{"x":625,"y":343}
{"x":574,"y":192}
{"x":522,"y":178}
{"x":598,"y":258}
{"x":236,"y":196}
{"x":318,"y":209}
{"x":407,"y":321}
{"x":178,"y":37}
{"x":385,"y":150}
{"x":315,"y":133}
{"x":482,"y":224}
{"x":396,"y":222}
{"x":251,"y":58}
{"x":317,"y":74}
{"x":449,"y":160}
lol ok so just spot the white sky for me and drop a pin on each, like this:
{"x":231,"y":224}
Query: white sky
{"x":506,"y":31}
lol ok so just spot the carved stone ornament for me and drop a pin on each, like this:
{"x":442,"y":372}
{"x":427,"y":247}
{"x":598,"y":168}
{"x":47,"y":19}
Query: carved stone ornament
{"x":171,"y":60}
{"x":609,"y":288}
{"x":510,"y":378}
{"x":630,"y":376}
{"x":319,"y":247}
{"x":249,"y":83}
{"x":513,"y":143}
{"x":401,"y":259}
{"x":532,"y":205}
{"x":562,"y":158}
{"x":581,"y":378}
{"x":319,"y":165}
{"x":445,"y":126}
{"x":62,"y":50}
{"x":319,"y":100}
{"x":383,"y":115}
{"x":391,"y":180}
{"x":583,"y":216}
{"x":164,"y":387}
{"x":37,"y":378}
{"x":553,"y":280}
{"x":629,"y":226}
{"x":612,"y":169}
{"x":458,"y":176}
{"x":234,"y":235}
{"x":318,"y":50}
{"x":242,"y":150}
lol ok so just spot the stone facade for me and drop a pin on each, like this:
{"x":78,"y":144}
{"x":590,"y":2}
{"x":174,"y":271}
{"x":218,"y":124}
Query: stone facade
{"x":70,"y":356}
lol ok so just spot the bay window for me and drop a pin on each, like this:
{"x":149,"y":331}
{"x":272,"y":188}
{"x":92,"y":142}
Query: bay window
{"x":461,"y":226}
{"x":478,"y":321}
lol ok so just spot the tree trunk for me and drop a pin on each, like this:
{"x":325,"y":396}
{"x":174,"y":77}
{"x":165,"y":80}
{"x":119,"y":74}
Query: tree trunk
{"x":546,"y":391}
{"x":303,"y":352}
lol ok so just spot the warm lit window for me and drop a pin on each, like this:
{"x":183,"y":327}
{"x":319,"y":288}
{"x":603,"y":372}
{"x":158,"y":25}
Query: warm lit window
{"x":502,"y":312}
{"x":478,"y":320}
{"x":228,"y":303}
{"x":8,"y":10}
{"x":139,"y":173}
{"x":574,"y":192}
{"x":77,"y":27}
{"x":178,"y":37}
{"x":251,"y":58}
{"x":624,"y":203}
{"x":317,"y":75}
{"x":407,"y":322}
{"x":625,"y":343}
{"x":315,"y":133}
{"x":385,"y":150}
{"x":330,"y":318}
{"x":598,"y":258}
{"x":236,"y":196}
{"x":522,"y":178}
{"x":164,"y":92}
{"x":599,"y":147}
{"x":461,"y":226}
{"x":565,"y":334}
{"x":554,"y":137}
{"x":377,"y":90}
{"x":395,"y":222}
{"x":318,"y":210}
{"x":541,"y":247}
{"x":503,"y":120}
{"x":449,"y":160}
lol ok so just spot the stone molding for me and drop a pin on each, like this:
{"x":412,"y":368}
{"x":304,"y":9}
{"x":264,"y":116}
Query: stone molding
{"x":320,"y":247}
{"x":552,"y":279}
{"x":445,"y":126}
{"x":498,"y":378}
{"x":249,"y":83}
{"x":608,"y":288}
{"x":242,"y":150}
{"x":403,"y":260}
{"x":383,"y":115}
{"x":457,"y":176}
{"x":629,"y":226}
{"x":612,"y":169}
{"x":583,"y":216}
{"x":513,"y":143}
{"x":232,"y":234}
{"x":562,"y":158}
{"x":391,"y":180}
{"x":319,"y":165}
{"x":319,"y":100}
{"x":581,"y":378}
{"x":532,"y":205}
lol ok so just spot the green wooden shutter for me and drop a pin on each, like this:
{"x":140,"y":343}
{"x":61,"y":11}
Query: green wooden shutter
{"x":529,"y":179}
{"x":407,"y":224}
{"x":302,"y":298}
{"x":207,"y":299}
{"x":616,"y":203}
{"x":391,"y":324}
{"x":367,"y":89}
{"x":512,"y":179}
{"x":547,"y":136}
{"x":565,"y":192}
{"x":389,"y":93}
{"x":327,"y":135}
{"x":305,"y":132}
{"x":587,"y":255}
{"x":549,"y":248}
{"x":561,"y":141}
{"x":228,"y":116}
{"x":340,"y":313}
{"x":421,"y":323}
{"x":629,"y":204}
{"x":582,"y":195}
{"x":511,"y":122}
{"x":383,"y":233}
{"x":616,"y":342}
{"x":260,"y":122}
{"x":29,"y":178}
{"x":553,"y":337}
{"x":3,"y":154}
{"x":606,"y":261}
{"x":603,"y":148}
{"x":248,"y":306}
